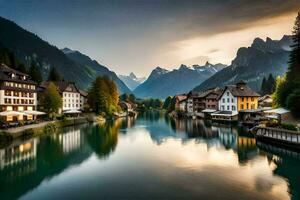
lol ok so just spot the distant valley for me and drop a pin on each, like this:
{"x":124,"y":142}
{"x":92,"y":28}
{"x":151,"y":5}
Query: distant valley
{"x":131,"y":80}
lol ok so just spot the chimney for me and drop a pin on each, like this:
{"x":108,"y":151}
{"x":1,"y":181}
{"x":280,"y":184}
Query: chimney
{"x":241,"y":85}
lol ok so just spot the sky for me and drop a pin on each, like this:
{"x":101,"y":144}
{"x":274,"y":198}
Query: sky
{"x":139,"y":35}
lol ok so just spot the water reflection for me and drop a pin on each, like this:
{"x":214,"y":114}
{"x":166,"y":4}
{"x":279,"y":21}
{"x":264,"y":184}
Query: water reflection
{"x":157,"y":156}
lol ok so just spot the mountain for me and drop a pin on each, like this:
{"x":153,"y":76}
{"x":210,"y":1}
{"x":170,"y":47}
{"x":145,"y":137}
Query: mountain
{"x":93,"y":68}
{"x":162,"y":83}
{"x":253,"y":63}
{"x":132,"y":81}
{"x":28,"y":47}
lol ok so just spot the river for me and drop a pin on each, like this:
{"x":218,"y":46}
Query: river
{"x":150,"y":157}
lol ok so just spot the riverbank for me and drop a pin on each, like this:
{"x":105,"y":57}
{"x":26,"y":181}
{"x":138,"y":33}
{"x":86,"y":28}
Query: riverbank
{"x":38,"y":129}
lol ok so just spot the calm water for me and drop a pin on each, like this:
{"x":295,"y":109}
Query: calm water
{"x":151,"y":157}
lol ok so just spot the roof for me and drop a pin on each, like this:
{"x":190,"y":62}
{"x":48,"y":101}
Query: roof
{"x":224,"y":113}
{"x":181,"y":97}
{"x":205,"y":93}
{"x":240,"y":90}
{"x":277,"y":111}
{"x":61,"y":85}
{"x":83,"y":93}
{"x":267,"y":98}
{"x":208,"y":111}
{"x":5,"y":75}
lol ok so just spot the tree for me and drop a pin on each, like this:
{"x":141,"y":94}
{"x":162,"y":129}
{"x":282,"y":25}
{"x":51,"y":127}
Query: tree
{"x":293,"y":104}
{"x":263,"y":88}
{"x":271,"y":83}
{"x":167,"y":103}
{"x":103,"y":96}
{"x":35,"y":73}
{"x":51,"y":99}
{"x":54,"y":75}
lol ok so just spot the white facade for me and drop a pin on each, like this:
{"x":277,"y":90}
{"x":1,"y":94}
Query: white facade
{"x":228,"y":102}
{"x":71,"y":101}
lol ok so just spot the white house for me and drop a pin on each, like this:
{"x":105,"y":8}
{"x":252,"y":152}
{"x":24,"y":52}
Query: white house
{"x":70,"y":94}
{"x":228,"y":102}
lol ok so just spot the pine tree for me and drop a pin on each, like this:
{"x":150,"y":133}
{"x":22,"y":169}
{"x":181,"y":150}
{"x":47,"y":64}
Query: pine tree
{"x":54,"y":75}
{"x":271,"y":84}
{"x":35,"y":73}
{"x":263,"y":86}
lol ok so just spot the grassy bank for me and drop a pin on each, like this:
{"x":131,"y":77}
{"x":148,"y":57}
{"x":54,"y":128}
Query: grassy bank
{"x":41,"y":128}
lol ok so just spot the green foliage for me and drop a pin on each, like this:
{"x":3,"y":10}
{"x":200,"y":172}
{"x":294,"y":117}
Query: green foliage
{"x":293,"y":102}
{"x":167,"y":103}
{"x":280,"y":93}
{"x":288,"y":89}
{"x":268,"y":85}
{"x":103,"y":96}
{"x":35,"y":73}
{"x":50,"y":128}
{"x":288,"y":126}
{"x":150,"y":104}
{"x":54,"y":75}
{"x":27,"y":132}
{"x":8,"y":58}
{"x":51,"y":100}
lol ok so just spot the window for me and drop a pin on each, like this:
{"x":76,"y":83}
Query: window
{"x":223,"y":100}
{"x":223,"y":108}
{"x":228,"y":108}
{"x":227,"y":93}
{"x":252,"y":106}
{"x":242,"y":99}
{"x":228,"y":100}
{"x":242,"y":106}
{"x":7,"y":93}
{"x":247,"y":105}
{"x":252,"y":98}
{"x":232,"y":100}
{"x":233,"y":107}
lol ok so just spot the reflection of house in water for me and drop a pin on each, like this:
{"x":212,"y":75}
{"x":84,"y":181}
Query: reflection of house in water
{"x":19,"y":156}
{"x":227,"y":136}
{"x":246,"y":148}
{"x":70,"y":141}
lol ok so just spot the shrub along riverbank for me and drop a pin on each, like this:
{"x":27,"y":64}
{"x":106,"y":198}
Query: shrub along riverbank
{"x":48,"y":127}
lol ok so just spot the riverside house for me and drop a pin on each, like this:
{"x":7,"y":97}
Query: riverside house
{"x":180,"y":102}
{"x":234,"y":99}
{"x":18,"y":97}
{"x":71,"y":96}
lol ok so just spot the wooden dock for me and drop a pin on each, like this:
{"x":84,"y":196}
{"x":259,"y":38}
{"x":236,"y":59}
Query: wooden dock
{"x":279,"y":136}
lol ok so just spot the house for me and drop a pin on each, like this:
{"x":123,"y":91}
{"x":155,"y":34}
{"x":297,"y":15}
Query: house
{"x":18,"y":97}
{"x":265,"y":102}
{"x":203,"y":100}
{"x":180,"y":102}
{"x":83,"y":99}
{"x":191,"y":96}
{"x":233,"y":99}
{"x":71,"y":96}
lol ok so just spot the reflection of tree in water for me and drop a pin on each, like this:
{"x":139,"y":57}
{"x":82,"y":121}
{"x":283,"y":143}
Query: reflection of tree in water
{"x":287,"y":165}
{"x":151,"y":116}
{"x":49,"y":161}
{"x":103,"y":138}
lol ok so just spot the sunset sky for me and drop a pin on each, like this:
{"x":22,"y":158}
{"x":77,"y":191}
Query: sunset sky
{"x":138,"y":35}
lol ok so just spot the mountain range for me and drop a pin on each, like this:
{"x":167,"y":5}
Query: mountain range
{"x":162,"y":83}
{"x":131,"y":80}
{"x":253,"y":63}
{"x":72,"y":65}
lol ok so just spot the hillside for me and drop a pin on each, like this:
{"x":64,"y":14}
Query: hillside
{"x":253,"y":63}
{"x":29,"y":47}
{"x":93,"y":68}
